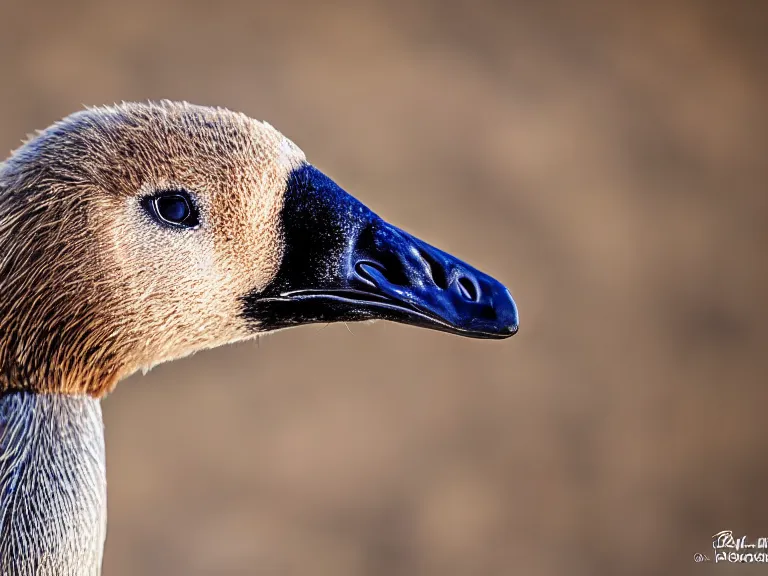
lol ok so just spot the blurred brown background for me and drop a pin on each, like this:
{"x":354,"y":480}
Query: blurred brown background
{"x":606,"y":160}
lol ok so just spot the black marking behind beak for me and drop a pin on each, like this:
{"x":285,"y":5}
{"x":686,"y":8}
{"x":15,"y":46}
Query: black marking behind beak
{"x":342,"y":263}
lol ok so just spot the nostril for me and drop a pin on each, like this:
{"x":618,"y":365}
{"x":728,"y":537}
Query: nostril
{"x":468,"y":289}
{"x":362,"y":270}
{"x":389,"y":267}
{"x":436,"y":271}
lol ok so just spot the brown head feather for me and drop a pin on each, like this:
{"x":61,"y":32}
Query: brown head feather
{"x":90,"y":288}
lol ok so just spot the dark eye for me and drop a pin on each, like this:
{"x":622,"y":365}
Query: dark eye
{"x":174,"y":208}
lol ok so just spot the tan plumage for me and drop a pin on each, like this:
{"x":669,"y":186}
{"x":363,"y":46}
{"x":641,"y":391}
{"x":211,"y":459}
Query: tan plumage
{"x":90,"y":291}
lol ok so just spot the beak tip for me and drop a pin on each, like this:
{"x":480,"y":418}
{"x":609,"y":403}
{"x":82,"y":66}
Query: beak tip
{"x":511,"y":321}
{"x":511,"y":330}
{"x":496,"y":318}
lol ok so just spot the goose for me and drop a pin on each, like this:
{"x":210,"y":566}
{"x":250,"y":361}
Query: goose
{"x":138,"y":233}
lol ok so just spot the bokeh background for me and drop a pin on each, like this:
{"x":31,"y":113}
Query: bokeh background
{"x":606,"y":160}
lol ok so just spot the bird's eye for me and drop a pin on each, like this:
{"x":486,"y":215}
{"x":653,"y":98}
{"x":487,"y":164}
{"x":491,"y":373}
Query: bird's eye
{"x":174,"y":208}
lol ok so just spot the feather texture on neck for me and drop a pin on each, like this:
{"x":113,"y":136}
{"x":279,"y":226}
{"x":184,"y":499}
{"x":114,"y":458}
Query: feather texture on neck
{"x":52,"y":485}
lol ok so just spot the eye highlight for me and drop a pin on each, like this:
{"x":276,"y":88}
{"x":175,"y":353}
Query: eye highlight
{"x":172,"y":208}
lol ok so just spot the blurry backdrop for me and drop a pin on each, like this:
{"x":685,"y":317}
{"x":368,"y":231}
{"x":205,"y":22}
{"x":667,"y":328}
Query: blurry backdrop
{"x":606,"y":160}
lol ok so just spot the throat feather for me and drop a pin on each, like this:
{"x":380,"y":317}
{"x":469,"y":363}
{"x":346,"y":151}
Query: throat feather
{"x":52,"y":484}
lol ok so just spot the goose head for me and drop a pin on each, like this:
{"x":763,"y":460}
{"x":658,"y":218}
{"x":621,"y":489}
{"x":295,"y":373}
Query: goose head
{"x":139,"y":233}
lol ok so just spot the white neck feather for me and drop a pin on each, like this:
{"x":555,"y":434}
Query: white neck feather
{"x":53,"y":490}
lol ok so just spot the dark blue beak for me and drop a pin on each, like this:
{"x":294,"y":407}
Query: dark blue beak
{"x":342,"y":263}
